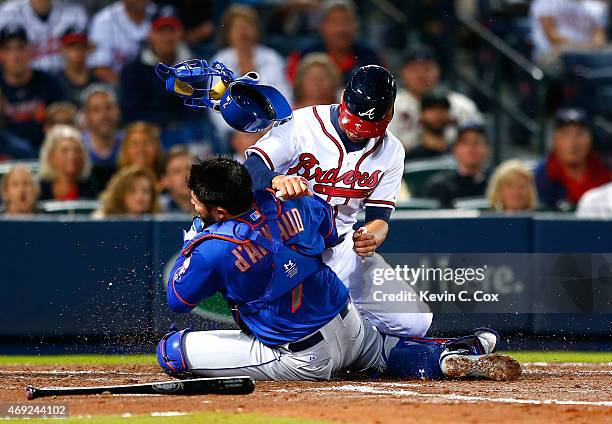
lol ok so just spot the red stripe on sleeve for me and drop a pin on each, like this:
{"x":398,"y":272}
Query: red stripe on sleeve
{"x":263,"y":155}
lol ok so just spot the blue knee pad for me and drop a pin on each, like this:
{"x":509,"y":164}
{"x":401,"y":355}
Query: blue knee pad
{"x":170,"y":354}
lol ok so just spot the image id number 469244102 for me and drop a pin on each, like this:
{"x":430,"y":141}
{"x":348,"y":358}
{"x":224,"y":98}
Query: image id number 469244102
{"x":34,"y":410}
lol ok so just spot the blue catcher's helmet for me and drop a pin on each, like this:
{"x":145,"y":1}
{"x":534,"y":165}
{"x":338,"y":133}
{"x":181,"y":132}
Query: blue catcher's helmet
{"x":247,"y":106}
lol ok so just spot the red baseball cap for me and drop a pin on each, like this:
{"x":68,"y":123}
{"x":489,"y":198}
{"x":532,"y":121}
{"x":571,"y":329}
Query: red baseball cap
{"x":166,"y":17}
{"x":74,"y":37}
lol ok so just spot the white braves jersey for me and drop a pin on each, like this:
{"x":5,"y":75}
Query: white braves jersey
{"x":116,"y":37}
{"x":309,"y":146}
{"x":45,"y":35}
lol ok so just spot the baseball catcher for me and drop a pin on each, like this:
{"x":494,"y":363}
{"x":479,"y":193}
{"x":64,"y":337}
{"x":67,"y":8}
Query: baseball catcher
{"x":264,"y":257}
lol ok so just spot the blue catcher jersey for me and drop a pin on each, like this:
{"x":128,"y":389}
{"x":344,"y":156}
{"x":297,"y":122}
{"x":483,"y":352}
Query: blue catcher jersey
{"x":267,"y":262}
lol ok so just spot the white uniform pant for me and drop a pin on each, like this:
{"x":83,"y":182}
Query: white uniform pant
{"x":349,"y":343}
{"x":407,"y":318}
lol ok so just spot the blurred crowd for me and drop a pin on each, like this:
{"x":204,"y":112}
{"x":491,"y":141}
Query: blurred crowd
{"x":84,"y":117}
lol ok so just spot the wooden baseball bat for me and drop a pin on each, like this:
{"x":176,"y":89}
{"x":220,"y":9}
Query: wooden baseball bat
{"x":240,"y":385}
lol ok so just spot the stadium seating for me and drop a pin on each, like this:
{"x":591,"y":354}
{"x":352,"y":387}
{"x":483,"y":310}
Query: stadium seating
{"x":70,"y":207}
{"x":416,"y":173}
{"x":7,"y":165}
{"x":472,"y":203}
{"x":416,"y":203}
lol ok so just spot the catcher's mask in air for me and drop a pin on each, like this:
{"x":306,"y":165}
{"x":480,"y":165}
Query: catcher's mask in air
{"x":244,"y":104}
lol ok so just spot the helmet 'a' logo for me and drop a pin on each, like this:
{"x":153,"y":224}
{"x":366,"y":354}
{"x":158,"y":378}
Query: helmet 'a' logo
{"x":368,"y":113}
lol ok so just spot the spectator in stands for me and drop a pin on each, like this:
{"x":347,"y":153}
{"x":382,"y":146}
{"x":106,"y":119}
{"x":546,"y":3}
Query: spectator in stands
{"x":45,"y":21}
{"x":60,"y":113}
{"x":512,"y":188}
{"x":567,"y":25}
{"x":26,"y":93}
{"x":177,"y":198}
{"x":117,"y":31}
{"x":141,"y":93}
{"x":572,"y":168}
{"x":293,"y":20}
{"x":65,"y":166}
{"x":141,"y":146}
{"x":12,"y":146}
{"x":197,"y":16}
{"x":596,"y":203}
{"x":420,"y":73}
{"x":101,"y":135}
{"x":338,"y":29}
{"x":317,"y":81}
{"x":131,"y":191}
{"x":75,"y":76}
{"x":471,"y":153}
{"x":433,"y":124}
{"x":242,"y":53}
{"x":19,"y":191}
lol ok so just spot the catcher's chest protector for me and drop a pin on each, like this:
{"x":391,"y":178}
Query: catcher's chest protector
{"x":289,"y":267}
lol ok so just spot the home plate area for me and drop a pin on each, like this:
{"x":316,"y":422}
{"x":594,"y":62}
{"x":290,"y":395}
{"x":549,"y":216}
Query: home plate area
{"x":560,"y":392}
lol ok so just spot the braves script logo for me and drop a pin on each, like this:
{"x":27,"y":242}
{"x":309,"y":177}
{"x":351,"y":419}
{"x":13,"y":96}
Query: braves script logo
{"x":308,"y":167}
{"x":368,"y":113}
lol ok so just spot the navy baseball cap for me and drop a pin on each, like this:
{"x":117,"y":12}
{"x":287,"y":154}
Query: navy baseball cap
{"x":570,"y":116}
{"x":438,"y":97}
{"x":463,"y":127}
{"x":419,"y":53}
{"x":470,"y":126}
{"x":10,"y":32}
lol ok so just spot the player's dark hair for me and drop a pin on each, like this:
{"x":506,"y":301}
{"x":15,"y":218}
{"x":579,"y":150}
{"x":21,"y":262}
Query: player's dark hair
{"x":221,"y":181}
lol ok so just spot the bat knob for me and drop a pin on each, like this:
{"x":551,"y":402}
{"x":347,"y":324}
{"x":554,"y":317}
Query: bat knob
{"x":30,"y":392}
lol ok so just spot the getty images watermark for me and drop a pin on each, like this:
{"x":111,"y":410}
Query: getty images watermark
{"x":506,"y":282}
{"x":427,"y":275}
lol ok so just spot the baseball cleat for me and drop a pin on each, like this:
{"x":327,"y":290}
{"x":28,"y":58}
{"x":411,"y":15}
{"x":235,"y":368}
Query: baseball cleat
{"x":493,"y":366}
{"x":489,"y":339}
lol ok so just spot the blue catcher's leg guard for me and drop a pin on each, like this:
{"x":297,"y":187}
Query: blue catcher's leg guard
{"x":415,"y":358}
{"x":421,"y":356}
{"x":170,"y":355}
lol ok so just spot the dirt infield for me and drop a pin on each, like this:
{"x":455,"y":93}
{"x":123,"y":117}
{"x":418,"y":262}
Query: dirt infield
{"x":577,"y":393}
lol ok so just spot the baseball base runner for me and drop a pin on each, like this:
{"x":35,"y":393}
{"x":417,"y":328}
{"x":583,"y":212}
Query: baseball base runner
{"x":344,"y":154}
